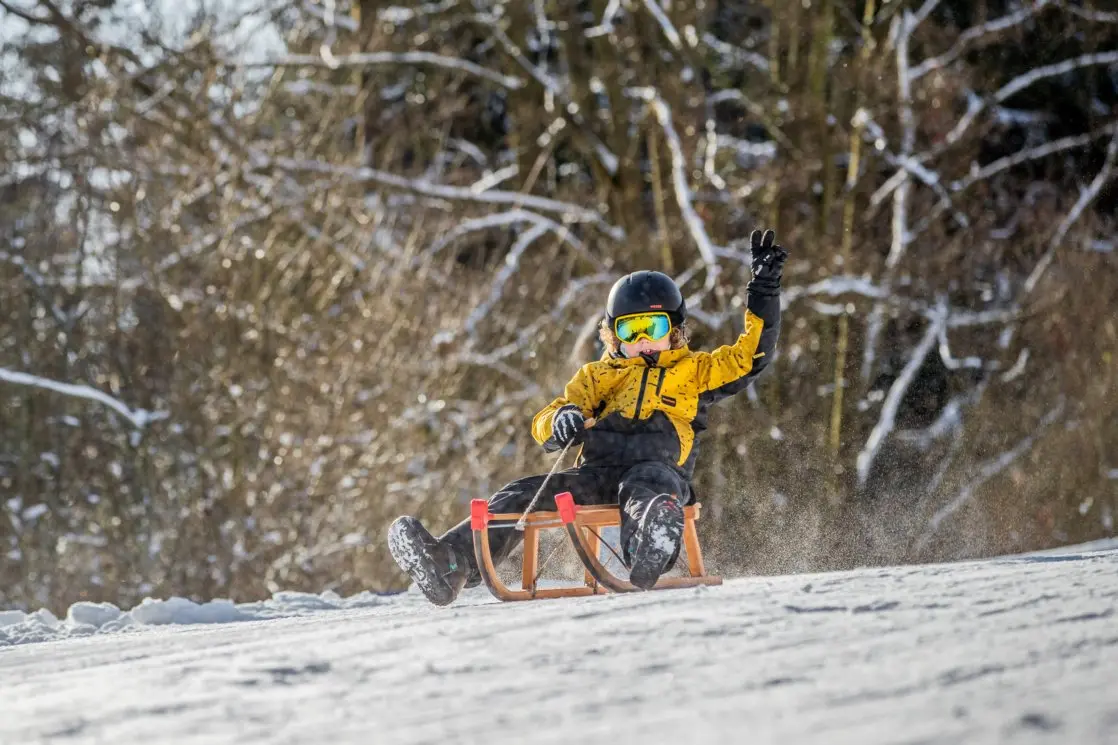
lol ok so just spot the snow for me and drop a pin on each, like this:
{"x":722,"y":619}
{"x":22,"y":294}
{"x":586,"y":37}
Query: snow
{"x":86,"y":619}
{"x":1018,"y":649}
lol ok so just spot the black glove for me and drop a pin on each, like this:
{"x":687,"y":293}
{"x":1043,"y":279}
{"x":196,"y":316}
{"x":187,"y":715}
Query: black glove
{"x":567,"y":425}
{"x":768,"y":263}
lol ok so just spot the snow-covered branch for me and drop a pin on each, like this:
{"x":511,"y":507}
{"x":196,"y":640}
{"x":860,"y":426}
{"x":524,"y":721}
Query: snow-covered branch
{"x":398,"y":14}
{"x":329,"y":16}
{"x":1099,"y":16}
{"x":902,"y":31}
{"x":25,"y":269}
{"x":741,"y":57}
{"x":896,"y":395}
{"x":683,"y":195}
{"x":571,"y":212}
{"x":1033,"y":153}
{"x":512,"y":217}
{"x":666,"y":26}
{"x":510,"y":265}
{"x":139,"y":418}
{"x":970,"y":38}
{"x":606,"y":25}
{"x":981,"y":317}
{"x":954,"y":363}
{"x":1088,"y":195}
{"x":495,"y":178}
{"x":921,"y":15}
{"x":906,"y":166}
{"x":552,"y":87}
{"x":39,"y":283}
{"x":984,"y":473}
{"x":369,"y":59}
{"x":950,"y":418}
{"x":530,"y":334}
{"x":1020,"y":83}
{"x":833,"y":287}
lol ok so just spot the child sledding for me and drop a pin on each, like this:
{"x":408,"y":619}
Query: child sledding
{"x":647,"y":399}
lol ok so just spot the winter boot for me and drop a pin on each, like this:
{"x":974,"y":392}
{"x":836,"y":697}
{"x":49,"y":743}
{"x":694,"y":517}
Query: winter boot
{"x":656,"y":540}
{"x":434,"y":565}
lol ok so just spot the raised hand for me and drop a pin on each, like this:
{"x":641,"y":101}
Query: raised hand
{"x":767,"y":264}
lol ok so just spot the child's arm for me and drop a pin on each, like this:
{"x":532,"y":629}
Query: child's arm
{"x":579,"y":392}
{"x":730,"y":369}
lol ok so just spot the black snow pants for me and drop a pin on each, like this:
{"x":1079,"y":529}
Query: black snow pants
{"x":630,"y":487}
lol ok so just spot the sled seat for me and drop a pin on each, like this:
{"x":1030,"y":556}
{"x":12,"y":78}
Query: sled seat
{"x":583,"y":526}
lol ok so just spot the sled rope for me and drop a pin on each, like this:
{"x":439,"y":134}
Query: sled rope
{"x":539,"y":572}
{"x":603,"y":542}
{"x":562,"y":454}
{"x":532,"y":505}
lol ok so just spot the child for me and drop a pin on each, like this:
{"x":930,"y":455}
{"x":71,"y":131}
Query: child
{"x":649,"y":396}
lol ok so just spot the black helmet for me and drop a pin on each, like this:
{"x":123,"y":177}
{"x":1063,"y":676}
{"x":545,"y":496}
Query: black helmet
{"x":640,"y":292}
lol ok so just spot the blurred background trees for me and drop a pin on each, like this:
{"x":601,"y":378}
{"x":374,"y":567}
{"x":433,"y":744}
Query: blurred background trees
{"x":272,"y":273}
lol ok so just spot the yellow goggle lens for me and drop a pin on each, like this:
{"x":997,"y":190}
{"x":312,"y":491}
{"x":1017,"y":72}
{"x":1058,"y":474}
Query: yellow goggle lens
{"x":653,"y":326}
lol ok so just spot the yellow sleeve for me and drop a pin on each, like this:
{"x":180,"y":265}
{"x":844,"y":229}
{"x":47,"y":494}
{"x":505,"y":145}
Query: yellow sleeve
{"x":727,"y":369}
{"x":578,"y":391}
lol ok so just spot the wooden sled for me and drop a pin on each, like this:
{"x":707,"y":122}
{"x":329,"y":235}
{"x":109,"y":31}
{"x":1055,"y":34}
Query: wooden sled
{"x":583,"y":527}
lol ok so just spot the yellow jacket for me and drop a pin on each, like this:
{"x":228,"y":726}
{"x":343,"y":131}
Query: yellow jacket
{"x":652,"y":409}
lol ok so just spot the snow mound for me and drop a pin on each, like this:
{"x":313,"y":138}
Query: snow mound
{"x":87,"y":619}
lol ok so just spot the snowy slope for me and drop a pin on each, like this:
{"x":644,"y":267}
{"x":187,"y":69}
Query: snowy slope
{"x":1021,"y":649}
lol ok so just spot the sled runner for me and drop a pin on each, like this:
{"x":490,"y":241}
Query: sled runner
{"x":583,"y":526}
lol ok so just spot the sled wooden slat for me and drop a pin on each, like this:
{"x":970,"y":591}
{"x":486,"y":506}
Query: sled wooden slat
{"x":582,"y":525}
{"x":531,"y":558}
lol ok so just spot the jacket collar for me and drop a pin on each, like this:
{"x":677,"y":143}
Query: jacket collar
{"x":667,"y":358}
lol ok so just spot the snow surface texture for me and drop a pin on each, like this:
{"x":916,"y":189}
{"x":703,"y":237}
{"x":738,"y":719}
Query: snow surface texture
{"x":1019,"y":649}
{"x":86,"y":619}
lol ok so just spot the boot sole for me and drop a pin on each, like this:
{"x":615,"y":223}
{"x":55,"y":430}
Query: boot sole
{"x":406,"y":544}
{"x":653,"y":559}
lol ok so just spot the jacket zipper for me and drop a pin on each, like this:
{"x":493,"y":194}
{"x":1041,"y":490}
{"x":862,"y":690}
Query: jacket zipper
{"x":640,"y":396}
{"x":660,"y":382}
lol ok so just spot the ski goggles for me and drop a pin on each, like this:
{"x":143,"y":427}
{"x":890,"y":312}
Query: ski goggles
{"x":651,"y":326}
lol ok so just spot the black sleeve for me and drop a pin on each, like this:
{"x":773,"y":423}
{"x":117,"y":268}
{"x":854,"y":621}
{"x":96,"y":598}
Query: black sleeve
{"x":767,"y":308}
